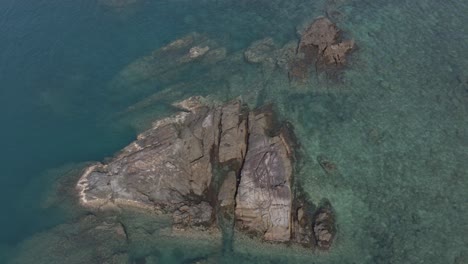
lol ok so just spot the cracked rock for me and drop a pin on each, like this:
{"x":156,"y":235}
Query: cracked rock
{"x":263,"y":203}
{"x":171,"y":167}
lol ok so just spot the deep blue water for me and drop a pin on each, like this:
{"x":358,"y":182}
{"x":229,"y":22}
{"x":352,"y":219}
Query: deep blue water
{"x":407,"y":86}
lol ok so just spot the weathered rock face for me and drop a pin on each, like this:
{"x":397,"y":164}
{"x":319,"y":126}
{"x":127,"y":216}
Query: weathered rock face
{"x":227,"y":192}
{"x":321,"y":41}
{"x":164,"y":166}
{"x":233,"y":141}
{"x":320,"y":47}
{"x":264,"y":200}
{"x":175,"y":167}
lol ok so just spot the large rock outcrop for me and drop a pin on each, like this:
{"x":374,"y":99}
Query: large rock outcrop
{"x":210,"y":159}
{"x":167,"y":169}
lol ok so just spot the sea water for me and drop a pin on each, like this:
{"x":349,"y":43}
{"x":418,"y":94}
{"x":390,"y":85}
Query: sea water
{"x":394,"y":123}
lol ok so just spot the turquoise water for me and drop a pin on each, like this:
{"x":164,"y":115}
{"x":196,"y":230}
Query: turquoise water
{"x":395,"y":122}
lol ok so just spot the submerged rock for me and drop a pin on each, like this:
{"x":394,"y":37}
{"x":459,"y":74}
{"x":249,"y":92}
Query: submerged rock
{"x":260,"y":51}
{"x":298,"y":70}
{"x":227,"y":192}
{"x":165,"y":65}
{"x":174,"y":168}
{"x":200,"y":215}
{"x":89,"y":239}
{"x":197,"y":51}
{"x":285,"y":55}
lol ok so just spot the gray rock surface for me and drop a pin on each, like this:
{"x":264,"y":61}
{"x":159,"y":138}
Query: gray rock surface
{"x":227,"y":192}
{"x":200,"y":215}
{"x":233,"y":143}
{"x":210,"y":159}
{"x":164,"y":166}
{"x":86,"y":240}
{"x":322,"y":47}
{"x":264,"y":199}
{"x":321,"y":33}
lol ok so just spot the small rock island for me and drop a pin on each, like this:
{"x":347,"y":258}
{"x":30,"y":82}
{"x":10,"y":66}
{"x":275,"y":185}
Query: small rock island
{"x":211,"y":162}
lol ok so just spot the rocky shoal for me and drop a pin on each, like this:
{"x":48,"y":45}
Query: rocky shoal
{"x":212,"y":161}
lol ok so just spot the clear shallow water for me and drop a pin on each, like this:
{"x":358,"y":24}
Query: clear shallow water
{"x":396,"y":125}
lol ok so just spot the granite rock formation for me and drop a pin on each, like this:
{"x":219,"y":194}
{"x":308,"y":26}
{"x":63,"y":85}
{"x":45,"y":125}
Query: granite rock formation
{"x":210,"y":159}
{"x":168,"y":168}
